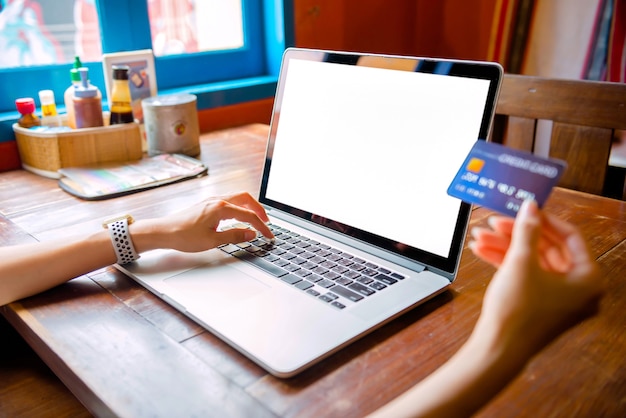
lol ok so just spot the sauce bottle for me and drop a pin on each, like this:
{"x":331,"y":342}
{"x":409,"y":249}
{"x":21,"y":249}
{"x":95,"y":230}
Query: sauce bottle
{"x":87,"y":102}
{"x":26,"y":107}
{"x":68,"y":96}
{"x":119,"y":102}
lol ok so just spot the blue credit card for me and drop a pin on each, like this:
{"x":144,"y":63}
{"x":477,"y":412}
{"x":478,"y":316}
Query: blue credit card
{"x":501,"y":178}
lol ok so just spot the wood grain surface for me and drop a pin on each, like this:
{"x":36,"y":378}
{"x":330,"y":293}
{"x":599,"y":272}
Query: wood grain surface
{"x":122,"y":351}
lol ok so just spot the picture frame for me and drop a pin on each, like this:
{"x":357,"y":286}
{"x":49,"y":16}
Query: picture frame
{"x":142,"y":76}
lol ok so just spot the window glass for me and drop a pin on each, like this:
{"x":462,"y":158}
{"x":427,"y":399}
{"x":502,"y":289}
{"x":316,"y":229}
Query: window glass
{"x":48,"y":32}
{"x":190,"y":26}
{"x":214,"y":46}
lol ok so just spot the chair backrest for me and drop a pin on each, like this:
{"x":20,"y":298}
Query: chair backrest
{"x":585,"y":116}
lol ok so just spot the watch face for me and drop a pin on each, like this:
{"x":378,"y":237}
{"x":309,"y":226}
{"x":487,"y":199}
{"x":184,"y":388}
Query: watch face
{"x":129,"y":220}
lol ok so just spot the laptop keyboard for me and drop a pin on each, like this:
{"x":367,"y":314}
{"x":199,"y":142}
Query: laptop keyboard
{"x":324,"y":272}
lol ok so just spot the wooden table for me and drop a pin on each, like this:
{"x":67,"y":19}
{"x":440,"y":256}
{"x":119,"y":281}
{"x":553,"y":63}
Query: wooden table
{"x":124,"y":352}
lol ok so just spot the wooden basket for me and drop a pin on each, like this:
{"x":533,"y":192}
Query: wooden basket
{"x":44,"y":153}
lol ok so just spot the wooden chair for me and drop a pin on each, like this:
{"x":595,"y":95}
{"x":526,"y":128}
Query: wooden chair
{"x":585,"y":117}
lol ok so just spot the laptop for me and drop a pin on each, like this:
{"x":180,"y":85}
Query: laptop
{"x":361,"y":150}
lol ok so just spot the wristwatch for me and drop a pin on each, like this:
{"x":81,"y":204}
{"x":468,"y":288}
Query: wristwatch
{"x":120,"y":238}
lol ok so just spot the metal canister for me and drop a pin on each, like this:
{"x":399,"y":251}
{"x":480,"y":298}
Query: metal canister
{"x":171,"y":124}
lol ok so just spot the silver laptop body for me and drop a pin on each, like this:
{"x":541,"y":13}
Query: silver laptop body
{"x":361,"y":150}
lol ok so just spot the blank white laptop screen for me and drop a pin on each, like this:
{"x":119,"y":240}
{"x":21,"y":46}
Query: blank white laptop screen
{"x":343,"y":129}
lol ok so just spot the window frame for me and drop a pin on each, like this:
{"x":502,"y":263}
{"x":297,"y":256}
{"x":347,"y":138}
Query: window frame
{"x":232,"y":76}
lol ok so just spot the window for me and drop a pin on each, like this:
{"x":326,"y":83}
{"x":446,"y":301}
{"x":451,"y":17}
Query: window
{"x":194,"y":50}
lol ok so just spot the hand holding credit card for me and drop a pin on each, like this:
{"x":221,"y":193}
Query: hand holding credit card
{"x":501,"y":178}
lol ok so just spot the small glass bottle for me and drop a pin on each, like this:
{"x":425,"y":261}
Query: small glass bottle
{"x":119,"y":102}
{"x":26,"y":107}
{"x":49,"y":115}
{"x":48,"y":107}
{"x":87,"y":102}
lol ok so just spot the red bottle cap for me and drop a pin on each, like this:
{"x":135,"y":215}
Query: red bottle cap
{"x":25,"y":105}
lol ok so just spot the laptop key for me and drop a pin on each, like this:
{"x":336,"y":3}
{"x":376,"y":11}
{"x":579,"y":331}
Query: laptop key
{"x":314,"y":247}
{"x":229,"y":248}
{"x":292,"y":267}
{"x":320,"y":270}
{"x":352,"y":274}
{"x":377,"y":285}
{"x":348,"y":294}
{"x":307,"y":254}
{"x":344,"y":281}
{"x":281,"y":263}
{"x":302,"y":272}
{"x":385,"y":279}
{"x":314,"y":278}
{"x":298,"y":260}
{"x":358,"y":267}
{"x":253,"y":249}
{"x":339,"y":269}
{"x":291,"y":279}
{"x":325,"y":283}
{"x":313,"y":292}
{"x":364,"y":280}
{"x":326,"y":298}
{"x":304,"y":285}
{"x":263,"y":264}
{"x":364,"y":290}
{"x":308,"y":265}
{"x":277,"y":251}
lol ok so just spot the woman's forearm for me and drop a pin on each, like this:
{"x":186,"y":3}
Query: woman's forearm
{"x":474,"y":375}
{"x":32,"y":268}
{"x":28,"y":269}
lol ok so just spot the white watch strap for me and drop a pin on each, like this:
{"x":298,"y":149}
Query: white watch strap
{"x":122,"y":244}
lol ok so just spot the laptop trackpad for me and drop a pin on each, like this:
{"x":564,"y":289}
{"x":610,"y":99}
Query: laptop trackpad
{"x":213,"y":286}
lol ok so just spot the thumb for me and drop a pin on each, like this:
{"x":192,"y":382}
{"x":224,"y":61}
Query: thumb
{"x":526,"y":230}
